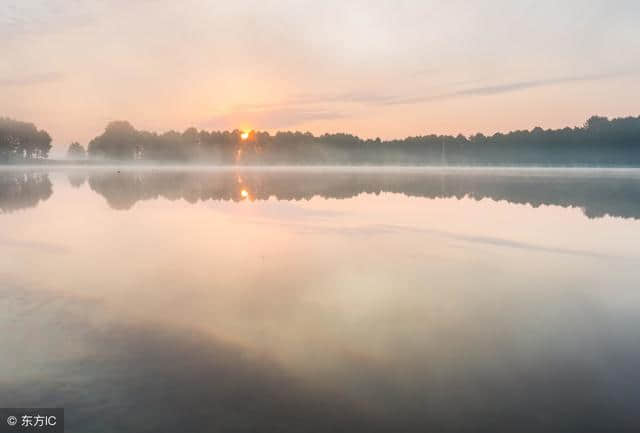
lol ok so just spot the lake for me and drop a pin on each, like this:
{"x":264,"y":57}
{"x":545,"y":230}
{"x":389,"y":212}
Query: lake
{"x":325,"y":299}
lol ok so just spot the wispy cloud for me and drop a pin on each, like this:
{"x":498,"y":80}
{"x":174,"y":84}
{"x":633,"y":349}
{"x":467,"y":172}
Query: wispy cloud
{"x":270,"y":118}
{"x":38,"y":17}
{"x":306,"y":107}
{"x":503,"y":88}
{"x":376,"y":98}
{"x":313,"y":99}
{"x":28,"y":80}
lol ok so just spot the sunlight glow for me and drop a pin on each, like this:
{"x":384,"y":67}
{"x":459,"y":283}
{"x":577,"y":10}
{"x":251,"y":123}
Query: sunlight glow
{"x":244,"y":135}
{"x":244,"y":193}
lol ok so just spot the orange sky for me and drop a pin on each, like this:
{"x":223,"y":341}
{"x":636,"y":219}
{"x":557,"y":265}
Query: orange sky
{"x":387,"y":69}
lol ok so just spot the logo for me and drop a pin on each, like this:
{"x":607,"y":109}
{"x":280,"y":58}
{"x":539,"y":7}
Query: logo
{"x":43,"y":420}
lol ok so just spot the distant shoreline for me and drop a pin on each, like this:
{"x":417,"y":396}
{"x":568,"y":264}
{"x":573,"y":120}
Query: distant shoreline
{"x":600,"y":142}
{"x":88,"y":163}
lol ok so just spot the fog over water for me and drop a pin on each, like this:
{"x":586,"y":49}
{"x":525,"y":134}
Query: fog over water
{"x":355,"y":300}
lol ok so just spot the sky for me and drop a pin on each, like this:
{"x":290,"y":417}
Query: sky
{"x":386,"y":69}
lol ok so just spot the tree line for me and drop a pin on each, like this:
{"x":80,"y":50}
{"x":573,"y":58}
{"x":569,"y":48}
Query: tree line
{"x":600,"y":141}
{"x":22,"y":141}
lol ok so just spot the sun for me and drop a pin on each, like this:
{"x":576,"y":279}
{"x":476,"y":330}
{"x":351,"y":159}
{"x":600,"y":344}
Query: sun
{"x":244,"y":193}
{"x":244,"y":135}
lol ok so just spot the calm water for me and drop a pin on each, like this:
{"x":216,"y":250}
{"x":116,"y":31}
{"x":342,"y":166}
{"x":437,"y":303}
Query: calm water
{"x":322,"y":300}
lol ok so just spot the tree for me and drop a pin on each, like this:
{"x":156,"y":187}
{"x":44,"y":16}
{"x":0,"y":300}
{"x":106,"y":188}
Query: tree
{"x":599,"y":141}
{"x":76,"y":151}
{"x":119,"y":140}
{"x":22,"y":140}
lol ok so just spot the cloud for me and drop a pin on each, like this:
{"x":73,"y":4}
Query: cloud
{"x":374,"y":98}
{"x":28,"y":80}
{"x":38,"y":17}
{"x":312,"y":99}
{"x":502,"y":88}
{"x":270,"y":119}
{"x":306,"y":107}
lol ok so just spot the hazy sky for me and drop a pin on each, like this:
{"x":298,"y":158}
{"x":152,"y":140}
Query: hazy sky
{"x":373,"y":68}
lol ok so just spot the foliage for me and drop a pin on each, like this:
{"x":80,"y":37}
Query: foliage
{"x":22,"y":140}
{"x":599,"y":142}
{"x":76,"y":151}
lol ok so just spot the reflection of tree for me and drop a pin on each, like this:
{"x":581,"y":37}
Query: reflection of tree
{"x":596,"y":195}
{"x":123,"y":190}
{"x":77,"y":179}
{"x":19,"y":190}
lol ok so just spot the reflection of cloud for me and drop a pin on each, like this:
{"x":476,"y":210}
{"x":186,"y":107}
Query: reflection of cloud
{"x":509,"y":243}
{"x":36,"y":245}
{"x":170,"y":381}
{"x":142,"y":378}
{"x":281,"y":211}
{"x":382,"y":229}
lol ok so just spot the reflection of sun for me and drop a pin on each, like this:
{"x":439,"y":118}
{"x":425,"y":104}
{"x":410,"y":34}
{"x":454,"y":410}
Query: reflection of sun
{"x":244,"y":193}
{"x":244,"y":135}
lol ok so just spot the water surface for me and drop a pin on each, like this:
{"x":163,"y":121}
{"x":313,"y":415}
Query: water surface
{"x":322,"y":299}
